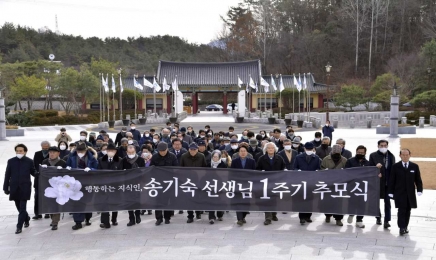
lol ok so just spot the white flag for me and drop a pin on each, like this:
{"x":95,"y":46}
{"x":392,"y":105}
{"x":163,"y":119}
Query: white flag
{"x":103,"y":82}
{"x":252,"y":85}
{"x":247,"y":89}
{"x":240,"y":82}
{"x":304,"y":82}
{"x":296,"y":84}
{"x":147,"y":83}
{"x":136,"y":84}
{"x":121,"y":85}
{"x":273,"y":83}
{"x":165,"y":85}
{"x":113,"y":84}
{"x":263,"y":82}
{"x":257,"y":90}
{"x":281,"y":86}
{"x":299,"y":82}
{"x":266,"y":88}
{"x":175,"y":85}
{"x":156,"y":86}
{"x":106,"y":85}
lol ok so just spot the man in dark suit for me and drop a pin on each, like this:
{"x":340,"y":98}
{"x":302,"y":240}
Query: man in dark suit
{"x":405,"y":176}
{"x":136,"y":134}
{"x":307,"y":161}
{"x":177,"y":149}
{"x":288,"y":154}
{"x":345,"y":153}
{"x":270,"y":161}
{"x":37,"y":160}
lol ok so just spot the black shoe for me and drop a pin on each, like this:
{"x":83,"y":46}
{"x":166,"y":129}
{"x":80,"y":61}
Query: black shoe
{"x":158,"y":222}
{"x":302,"y":221}
{"x":386,"y":225}
{"x":114,"y":223}
{"x":88,"y":223}
{"x":378,"y":222}
{"x":267,"y":222}
{"x":190,"y":220}
{"x":18,"y":231}
{"x":198,"y":216}
{"x":138,"y":219}
{"x":54,"y":227}
{"x":406,"y":230}
{"x":402,"y":231}
{"x":274,"y":218}
{"x":180,"y":211}
{"x":211,"y":221}
{"x":308,"y":220}
{"x":167,"y":221}
{"x":105,"y":226}
{"x":77,"y":226}
{"x":27,"y":223}
{"x":46,"y":216}
{"x":131,"y":223}
{"x":244,"y":221}
{"x":142,"y":212}
{"x":149,"y":212}
{"x":284,"y":212}
{"x":36,"y":217}
{"x":240,"y":223}
{"x":327,"y":219}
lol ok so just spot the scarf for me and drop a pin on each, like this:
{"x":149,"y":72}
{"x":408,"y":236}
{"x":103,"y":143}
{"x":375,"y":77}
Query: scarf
{"x":44,"y":153}
{"x":53,"y":162}
{"x":133,"y":160}
{"x":215,"y":164}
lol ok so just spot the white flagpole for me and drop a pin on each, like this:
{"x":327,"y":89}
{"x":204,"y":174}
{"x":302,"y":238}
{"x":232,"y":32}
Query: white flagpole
{"x":134,"y":92}
{"x":113,"y":94}
{"x":264,"y":100}
{"x":102,"y":102}
{"x":154,"y":97}
{"x":293,"y":101}
{"x":107,"y":104}
{"x":280,"y":100}
{"x":101,"y":117}
{"x":121,"y":99}
{"x":175,"y":98}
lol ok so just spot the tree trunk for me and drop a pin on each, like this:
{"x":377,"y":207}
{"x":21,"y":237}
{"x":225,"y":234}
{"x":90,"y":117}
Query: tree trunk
{"x":370,"y":41}
{"x":357,"y":38}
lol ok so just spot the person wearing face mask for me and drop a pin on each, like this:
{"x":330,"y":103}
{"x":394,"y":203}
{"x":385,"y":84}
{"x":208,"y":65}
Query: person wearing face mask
{"x":62,"y":145}
{"x":145,"y":137}
{"x":103,"y":150}
{"x":135,"y":133}
{"x":98,"y":143}
{"x":37,"y":161}
{"x":120,"y":135}
{"x":207,"y":130}
{"x":357,"y":161}
{"x":165,"y":136}
{"x":324,"y":149}
{"x":163,"y":159}
{"x":226,"y":158}
{"x":216,"y":162}
{"x":83,"y":135}
{"x":18,"y":185}
{"x":297,"y":146}
{"x":288,"y":154}
{"x":110,"y":161}
{"x":384,"y":160}
{"x":216,"y":141}
{"x":185,"y":137}
{"x":146,"y":153}
{"x":263,"y":134}
{"x":234,"y":145}
{"x":244,"y":137}
{"x":202,"y":148}
{"x":290,"y":134}
{"x":201,"y":136}
{"x":82,"y":158}
{"x":254,"y":149}
{"x":226,"y":144}
{"x":156,"y":140}
{"x":132,"y":141}
{"x":317,"y":141}
{"x":270,"y":161}
{"x":334,"y":161}
{"x":63,"y":136}
{"x":54,"y":160}
{"x":122,"y":149}
{"x":133,"y":161}
{"x":190,"y":131}
{"x":307,"y":161}
{"x":327,"y":130}
{"x":177,"y":149}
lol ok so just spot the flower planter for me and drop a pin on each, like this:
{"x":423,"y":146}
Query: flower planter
{"x":126,"y":122}
{"x":239,"y":119}
{"x":14,"y":132}
{"x":142,"y":121}
{"x":300,"y":123}
{"x":288,"y":121}
{"x":271,"y":120}
{"x":111,"y":124}
{"x":173,"y":120}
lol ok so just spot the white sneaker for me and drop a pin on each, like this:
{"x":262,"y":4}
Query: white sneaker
{"x":360,"y":224}
{"x":350,"y":219}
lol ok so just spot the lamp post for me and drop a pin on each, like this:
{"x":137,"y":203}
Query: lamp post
{"x":429,"y":74}
{"x":327,"y":70}
{"x":134,"y":97}
{"x":120,"y":104}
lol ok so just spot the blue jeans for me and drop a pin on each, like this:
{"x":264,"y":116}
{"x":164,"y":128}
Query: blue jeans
{"x":387,"y":201}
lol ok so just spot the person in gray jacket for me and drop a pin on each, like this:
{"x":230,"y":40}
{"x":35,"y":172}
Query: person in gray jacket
{"x":324,"y":149}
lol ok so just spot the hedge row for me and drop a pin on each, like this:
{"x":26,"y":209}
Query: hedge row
{"x":50,"y":117}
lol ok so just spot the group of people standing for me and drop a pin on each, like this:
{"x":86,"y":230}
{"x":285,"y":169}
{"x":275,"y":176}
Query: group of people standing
{"x":181,"y":146}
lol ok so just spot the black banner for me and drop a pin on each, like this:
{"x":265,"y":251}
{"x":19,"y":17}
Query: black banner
{"x":346,"y":191}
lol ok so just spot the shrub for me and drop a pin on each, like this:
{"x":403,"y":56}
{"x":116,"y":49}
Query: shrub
{"x":415,"y":115}
{"x":45,"y":113}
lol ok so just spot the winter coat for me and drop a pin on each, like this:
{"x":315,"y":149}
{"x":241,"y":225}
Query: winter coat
{"x":353,"y":162}
{"x":264,"y":163}
{"x":289,"y":165}
{"x":17,"y":179}
{"x":328,"y":131}
{"x":103,"y":163}
{"x":91,"y":156}
{"x":169,"y":159}
{"x":328,"y":163}
{"x":376,"y":158}
{"x":66,"y":138}
{"x":193,"y":161}
{"x":402,"y":184}
{"x":139,"y":163}
{"x":250,"y":164}
{"x":301,"y":164}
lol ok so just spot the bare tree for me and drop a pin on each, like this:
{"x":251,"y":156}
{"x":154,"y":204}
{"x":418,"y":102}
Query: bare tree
{"x":378,"y":8}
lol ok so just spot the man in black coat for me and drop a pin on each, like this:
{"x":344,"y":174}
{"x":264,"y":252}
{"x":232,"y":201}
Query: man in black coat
{"x":288,"y":154}
{"x":54,"y":160}
{"x":254,"y":148}
{"x":270,"y":161}
{"x":324,"y":149}
{"x":120,"y":135}
{"x":345,"y":153}
{"x":163,"y":158}
{"x":37,"y":160}
{"x":405,"y":175}
{"x":136,"y":134}
{"x":17,"y":183}
{"x":202,"y":149}
{"x":177,"y":148}
{"x":110,"y":161}
{"x":384,"y":160}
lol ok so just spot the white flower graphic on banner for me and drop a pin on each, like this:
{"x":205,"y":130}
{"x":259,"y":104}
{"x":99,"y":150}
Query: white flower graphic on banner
{"x":63,"y":189}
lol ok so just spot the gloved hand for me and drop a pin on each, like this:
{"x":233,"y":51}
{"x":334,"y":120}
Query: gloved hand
{"x":391,"y":195}
{"x":419,"y":193}
{"x":6,"y":192}
{"x":43,"y":165}
{"x":59,"y":167}
{"x":68,"y":168}
{"x":87,"y":169}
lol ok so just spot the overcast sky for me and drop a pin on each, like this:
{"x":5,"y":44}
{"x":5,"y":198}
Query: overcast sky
{"x":197,"y":21}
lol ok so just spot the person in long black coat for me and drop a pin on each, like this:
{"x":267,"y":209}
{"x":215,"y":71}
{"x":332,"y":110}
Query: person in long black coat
{"x":110,"y":161}
{"x":18,"y":184}
{"x":63,"y":149}
{"x":405,"y":175}
{"x":37,"y":160}
{"x":270,"y":161}
{"x":288,"y":152}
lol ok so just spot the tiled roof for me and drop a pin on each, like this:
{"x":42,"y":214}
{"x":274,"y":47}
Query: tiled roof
{"x":203,"y":74}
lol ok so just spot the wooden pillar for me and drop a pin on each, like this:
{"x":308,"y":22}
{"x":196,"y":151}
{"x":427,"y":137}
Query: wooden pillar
{"x":225,"y":102}
{"x":194,"y":102}
{"x":169,"y":102}
{"x":320,"y":101}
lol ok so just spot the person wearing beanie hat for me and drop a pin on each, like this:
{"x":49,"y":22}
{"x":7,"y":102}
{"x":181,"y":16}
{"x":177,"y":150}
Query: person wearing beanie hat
{"x":307,"y":161}
{"x":334,"y":161}
{"x":297,"y":145}
{"x":202,"y":149}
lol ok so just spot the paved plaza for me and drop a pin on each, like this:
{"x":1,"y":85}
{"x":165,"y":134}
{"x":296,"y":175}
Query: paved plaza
{"x":285,"y":239}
